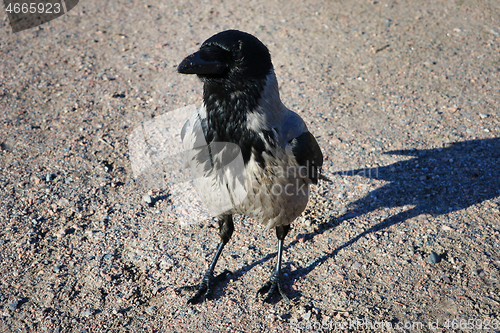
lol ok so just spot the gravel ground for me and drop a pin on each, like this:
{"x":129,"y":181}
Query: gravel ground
{"x":402,"y":96}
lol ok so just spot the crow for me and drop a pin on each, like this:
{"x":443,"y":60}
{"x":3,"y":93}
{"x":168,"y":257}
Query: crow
{"x":249,"y":154}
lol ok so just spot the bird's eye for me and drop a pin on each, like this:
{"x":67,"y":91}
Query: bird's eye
{"x":237,"y":55}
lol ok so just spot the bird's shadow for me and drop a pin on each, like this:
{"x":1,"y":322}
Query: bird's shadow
{"x":434,"y":181}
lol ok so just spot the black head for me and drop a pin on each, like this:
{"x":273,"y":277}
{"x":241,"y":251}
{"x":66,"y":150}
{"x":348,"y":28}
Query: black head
{"x":231,"y":55}
{"x":234,"y":67}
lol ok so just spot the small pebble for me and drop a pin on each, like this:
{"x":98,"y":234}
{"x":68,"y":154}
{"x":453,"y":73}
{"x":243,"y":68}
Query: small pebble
{"x":56,"y":269}
{"x":356,"y":265}
{"x":434,"y":258}
{"x":150,"y":310}
{"x":147,"y":199}
{"x":86,"y":313}
{"x":446,"y":228}
{"x":13,"y":306}
{"x":108,"y":256}
{"x":61,"y":233}
{"x":166,"y":264}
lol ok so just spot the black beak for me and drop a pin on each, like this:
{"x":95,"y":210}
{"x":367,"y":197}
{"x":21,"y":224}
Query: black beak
{"x":193,"y":64}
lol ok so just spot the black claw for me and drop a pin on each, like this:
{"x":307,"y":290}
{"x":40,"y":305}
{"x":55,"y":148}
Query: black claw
{"x":203,"y":288}
{"x":270,"y":288}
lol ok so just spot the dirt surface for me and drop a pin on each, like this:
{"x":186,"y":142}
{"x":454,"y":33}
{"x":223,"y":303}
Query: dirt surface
{"x":403,"y":98}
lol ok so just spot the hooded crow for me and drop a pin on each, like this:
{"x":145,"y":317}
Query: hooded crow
{"x":249,"y":154}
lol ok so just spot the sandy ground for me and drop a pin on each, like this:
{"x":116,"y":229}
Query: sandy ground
{"x":402,"y":96}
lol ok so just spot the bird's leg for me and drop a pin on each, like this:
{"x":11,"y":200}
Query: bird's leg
{"x":274,"y":283}
{"x":226,"y":228}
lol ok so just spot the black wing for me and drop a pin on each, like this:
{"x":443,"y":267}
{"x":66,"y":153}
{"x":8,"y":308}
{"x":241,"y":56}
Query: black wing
{"x":306,"y":150}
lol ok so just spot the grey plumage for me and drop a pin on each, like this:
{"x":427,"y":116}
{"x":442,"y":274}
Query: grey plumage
{"x":274,"y":194}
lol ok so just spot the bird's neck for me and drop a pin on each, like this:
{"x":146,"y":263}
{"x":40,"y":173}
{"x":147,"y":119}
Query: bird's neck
{"x":232,"y":109}
{"x":229,"y":103}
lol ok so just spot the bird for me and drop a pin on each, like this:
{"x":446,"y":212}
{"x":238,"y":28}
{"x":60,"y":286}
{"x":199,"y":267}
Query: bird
{"x":249,"y":153}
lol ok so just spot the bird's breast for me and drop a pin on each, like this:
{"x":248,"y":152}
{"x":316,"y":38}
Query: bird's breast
{"x":277,"y":193}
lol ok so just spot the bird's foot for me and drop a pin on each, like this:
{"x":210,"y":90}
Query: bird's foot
{"x":203,"y":288}
{"x":271,"y":286}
